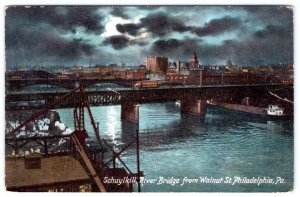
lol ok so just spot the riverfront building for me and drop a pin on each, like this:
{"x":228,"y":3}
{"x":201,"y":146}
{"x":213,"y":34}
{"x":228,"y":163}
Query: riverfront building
{"x":157,"y":64}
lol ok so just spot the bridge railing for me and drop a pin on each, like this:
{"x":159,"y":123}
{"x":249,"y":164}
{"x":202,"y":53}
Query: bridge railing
{"x":46,"y":145}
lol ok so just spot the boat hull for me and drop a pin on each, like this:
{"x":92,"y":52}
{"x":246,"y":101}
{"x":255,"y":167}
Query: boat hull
{"x":281,"y":117}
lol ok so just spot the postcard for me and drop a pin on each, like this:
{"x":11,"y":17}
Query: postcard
{"x":149,"y":98}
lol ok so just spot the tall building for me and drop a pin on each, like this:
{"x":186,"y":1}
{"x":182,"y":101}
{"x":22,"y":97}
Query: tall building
{"x":229,"y":63}
{"x":157,"y":64}
{"x":194,"y":63}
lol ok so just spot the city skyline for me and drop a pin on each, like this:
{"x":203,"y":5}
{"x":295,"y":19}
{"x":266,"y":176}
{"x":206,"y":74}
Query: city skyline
{"x":51,"y":35}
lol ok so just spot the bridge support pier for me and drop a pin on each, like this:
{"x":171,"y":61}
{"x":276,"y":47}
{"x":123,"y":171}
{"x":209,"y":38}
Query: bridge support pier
{"x":130,"y":111}
{"x":193,"y":107}
{"x":130,"y":120}
{"x":128,"y":131}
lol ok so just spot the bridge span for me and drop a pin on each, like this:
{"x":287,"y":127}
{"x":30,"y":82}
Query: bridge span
{"x":15,"y":84}
{"x":190,"y":96}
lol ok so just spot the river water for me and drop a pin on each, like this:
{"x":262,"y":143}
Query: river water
{"x":223,"y":145}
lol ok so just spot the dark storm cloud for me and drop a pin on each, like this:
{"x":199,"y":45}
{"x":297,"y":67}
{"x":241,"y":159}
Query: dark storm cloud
{"x":272,"y":44}
{"x":165,"y":45}
{"x":261,"y":34}
{"x":254,"y":51}
{"x":257,"y":50}
{"x":65,"y":18}
{"x":267,"y":10}
{"x":117,"y":42}
{"x":274,"y":31}
{"x":121,"y":41}
{"x":130,"y":28}
{"x":74,"y":49}
{"x":28,"y":45}
{"x":161,"y":24}
{"x":80,"y":17}
{"x":217,"y":26}
{"x":35,"y":34}
{"x":276,"y":15}
{"x":119,"y":12}
{"x":175,"y":48}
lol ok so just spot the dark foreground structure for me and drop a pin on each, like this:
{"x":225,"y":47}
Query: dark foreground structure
{"x":64,"y":162}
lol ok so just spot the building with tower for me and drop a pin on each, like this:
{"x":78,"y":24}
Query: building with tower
{"x":229,"y":64}
{"x":194,"y":63}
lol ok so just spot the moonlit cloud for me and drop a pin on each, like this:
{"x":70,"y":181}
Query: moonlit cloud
{"x":51,"y":35}
{"x":110,"y":27}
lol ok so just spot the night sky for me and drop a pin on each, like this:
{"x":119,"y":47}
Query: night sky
{"x":81,"y":35}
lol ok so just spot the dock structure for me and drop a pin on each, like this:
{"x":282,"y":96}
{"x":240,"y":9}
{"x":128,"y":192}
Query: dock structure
{"x":71,"y":168}
{"x":64,"y":162}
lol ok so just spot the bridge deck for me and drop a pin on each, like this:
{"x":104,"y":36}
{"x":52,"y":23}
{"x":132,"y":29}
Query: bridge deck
{"x":114,"y":96}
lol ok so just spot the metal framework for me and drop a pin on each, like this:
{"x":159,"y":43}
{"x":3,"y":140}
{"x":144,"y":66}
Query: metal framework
{"x":75,"y":139}
{"x":114,"y":97}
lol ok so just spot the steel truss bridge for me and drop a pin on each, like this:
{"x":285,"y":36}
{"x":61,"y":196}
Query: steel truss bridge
{"x":14,"y":84}
{"x":148,"y":95}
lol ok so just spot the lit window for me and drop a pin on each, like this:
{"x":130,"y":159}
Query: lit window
{"x":85,"y":188}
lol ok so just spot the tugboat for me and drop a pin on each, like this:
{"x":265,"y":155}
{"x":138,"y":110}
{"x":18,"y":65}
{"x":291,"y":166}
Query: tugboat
{"x":275,"y":112}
